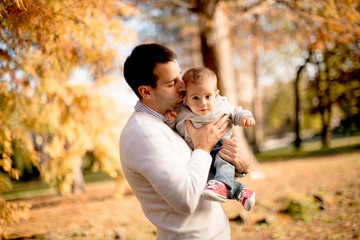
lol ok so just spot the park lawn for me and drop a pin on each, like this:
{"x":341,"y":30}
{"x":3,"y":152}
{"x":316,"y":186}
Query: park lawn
{"x":323,"y":185}
{"x":326,"y":189}
{"x":311,"y":148}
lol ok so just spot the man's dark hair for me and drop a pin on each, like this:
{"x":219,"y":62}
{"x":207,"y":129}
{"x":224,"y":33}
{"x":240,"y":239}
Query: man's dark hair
{"x":139,"y":66}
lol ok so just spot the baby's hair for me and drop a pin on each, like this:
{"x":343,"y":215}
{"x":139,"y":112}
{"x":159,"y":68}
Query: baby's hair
{"x":199,"y":74}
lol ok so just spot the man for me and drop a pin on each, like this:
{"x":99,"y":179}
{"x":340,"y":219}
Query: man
{"x":166,"y":176}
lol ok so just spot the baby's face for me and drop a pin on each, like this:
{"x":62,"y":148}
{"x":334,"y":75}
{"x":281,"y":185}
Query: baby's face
{"x":201,"y":97}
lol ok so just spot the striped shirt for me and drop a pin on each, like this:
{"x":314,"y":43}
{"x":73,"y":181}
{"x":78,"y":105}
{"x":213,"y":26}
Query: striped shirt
{"x":140,"y":107}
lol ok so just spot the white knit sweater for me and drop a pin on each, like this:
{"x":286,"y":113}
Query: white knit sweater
{"x":168,"y":178}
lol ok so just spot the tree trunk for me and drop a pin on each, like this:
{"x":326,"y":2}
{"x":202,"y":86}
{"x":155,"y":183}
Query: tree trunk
{"x":78,"y":181}
{"x":217,"y":53}
{"x":326,"y":120}
{"x":297,"y":108}
{"x":257,"y":101}
{"x":325,"y":112}
{"x":298,"y":101}
{"x":326,"y":132}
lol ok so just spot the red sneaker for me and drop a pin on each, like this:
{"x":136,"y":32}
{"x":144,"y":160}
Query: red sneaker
{"x":215,"y":191}
{"x":247,"y":198}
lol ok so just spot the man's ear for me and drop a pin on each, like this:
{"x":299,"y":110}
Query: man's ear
{"x":145,"y":92}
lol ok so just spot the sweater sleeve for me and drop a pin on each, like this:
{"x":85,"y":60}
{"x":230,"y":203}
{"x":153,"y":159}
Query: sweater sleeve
{"x":171,"y":124}
{"x":179,"y":120}
{"x":155,"y":153}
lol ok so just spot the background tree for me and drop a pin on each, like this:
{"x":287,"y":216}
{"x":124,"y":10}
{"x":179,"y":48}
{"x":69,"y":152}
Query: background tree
{"x":214,"y":39}
{"x":331,"y":26}
{"x":48,"y":119}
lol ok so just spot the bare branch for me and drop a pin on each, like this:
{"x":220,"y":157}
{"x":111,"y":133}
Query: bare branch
{"x":184,"y":4}
{"x":20,"y":4}
{"x":301,"y":12}
{"x":257,"y":8}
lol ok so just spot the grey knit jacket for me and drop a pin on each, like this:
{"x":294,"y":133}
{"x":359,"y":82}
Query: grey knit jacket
{"x":222,"y":106}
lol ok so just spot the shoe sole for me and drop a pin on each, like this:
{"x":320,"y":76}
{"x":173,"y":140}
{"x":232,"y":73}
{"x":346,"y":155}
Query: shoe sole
{"x":209,"y":195}
{"x":248,"y":206}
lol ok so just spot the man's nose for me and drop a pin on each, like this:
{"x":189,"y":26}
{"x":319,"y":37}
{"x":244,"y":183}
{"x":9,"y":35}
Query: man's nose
{"x":182,"y":86}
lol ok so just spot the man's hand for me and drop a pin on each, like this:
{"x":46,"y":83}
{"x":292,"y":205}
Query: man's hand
{"x":208,"y":135}
{"x":171,"y":115}
{"x":247,"y":121}
{"x":236,"y":153}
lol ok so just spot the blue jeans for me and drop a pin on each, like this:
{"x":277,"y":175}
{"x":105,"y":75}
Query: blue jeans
{"x":224,"y":172}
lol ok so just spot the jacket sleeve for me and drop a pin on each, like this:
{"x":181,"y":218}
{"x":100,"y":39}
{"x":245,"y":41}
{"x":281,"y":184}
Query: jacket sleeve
{"x":171,"y":124}
{"x":174,"y":123}
{"x":238,"y":113}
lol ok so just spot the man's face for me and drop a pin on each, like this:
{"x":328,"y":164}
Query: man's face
{"x":200,"y":97}
{"x":170,"y":88}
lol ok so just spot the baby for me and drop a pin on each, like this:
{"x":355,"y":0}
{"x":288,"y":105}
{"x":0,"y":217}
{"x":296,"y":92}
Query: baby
{"x":203,"y":105}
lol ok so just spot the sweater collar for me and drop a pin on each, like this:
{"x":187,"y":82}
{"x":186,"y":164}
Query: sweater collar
{"x":140,"y":107}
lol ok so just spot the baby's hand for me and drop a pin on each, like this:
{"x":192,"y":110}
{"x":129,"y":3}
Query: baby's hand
{"x":171,"y":115}
{"x":247,"y":121}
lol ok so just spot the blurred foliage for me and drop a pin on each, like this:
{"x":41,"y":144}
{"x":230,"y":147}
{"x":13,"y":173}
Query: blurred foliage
{"x":12,"y":213}
{"x":48,"y":121}
{"x":333,"y":67}
{"x":277,"y":101}
{"x":276,"y":37}
{"x":321,"y":36}
{"x":337,"y":82}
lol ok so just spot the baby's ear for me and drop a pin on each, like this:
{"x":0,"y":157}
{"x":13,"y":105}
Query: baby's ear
{"x":217,"y":93}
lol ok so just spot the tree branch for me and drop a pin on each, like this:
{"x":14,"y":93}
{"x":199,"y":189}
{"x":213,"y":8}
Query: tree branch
{"x":256,"y":8}
{"x":187,"y":5}
{"x":302,"y":12}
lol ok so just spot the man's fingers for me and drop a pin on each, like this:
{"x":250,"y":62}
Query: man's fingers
{"x":219,"y":121}
{"x":222,"y":124}
{"x":233,"y":142}
{"x":225,"y":153}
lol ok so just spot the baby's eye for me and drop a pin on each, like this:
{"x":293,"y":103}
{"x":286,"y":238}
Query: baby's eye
{"x":195,"y":98}
{"x":208,"y":96}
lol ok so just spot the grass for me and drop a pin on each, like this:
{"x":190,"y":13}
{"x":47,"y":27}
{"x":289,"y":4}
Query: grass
{"x":312,"y":148}
{"x":21,"y":190}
